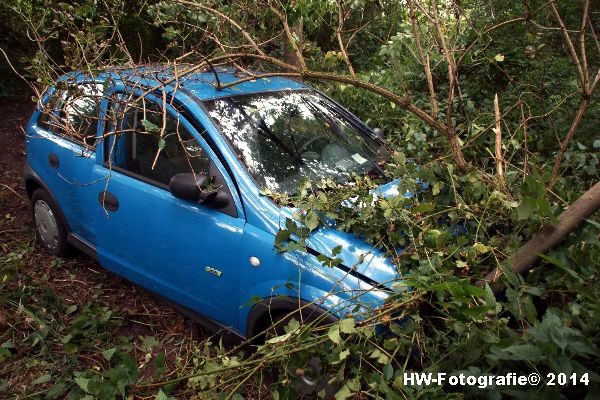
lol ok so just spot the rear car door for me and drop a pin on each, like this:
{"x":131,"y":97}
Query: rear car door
{"x":181,"y":250}
{"x":62,"y":151}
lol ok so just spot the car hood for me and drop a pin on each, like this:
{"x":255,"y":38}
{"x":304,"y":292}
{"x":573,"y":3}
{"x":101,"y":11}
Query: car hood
{"x":364,"y":259}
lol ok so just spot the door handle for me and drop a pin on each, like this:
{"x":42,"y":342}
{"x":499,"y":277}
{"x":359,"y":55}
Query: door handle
{"x":53,"y":160}
{"x":108,"y":201}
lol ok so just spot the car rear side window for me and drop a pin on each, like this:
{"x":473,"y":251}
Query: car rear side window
{"x":155,"y":145}
{"x":76,"y":114}
{"x":47,"y":111}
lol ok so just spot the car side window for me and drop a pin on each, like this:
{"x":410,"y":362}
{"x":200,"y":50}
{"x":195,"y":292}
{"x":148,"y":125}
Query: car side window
{"x":156,"y":145}
{"x":73,"y":112}
{"x":47,"y":111}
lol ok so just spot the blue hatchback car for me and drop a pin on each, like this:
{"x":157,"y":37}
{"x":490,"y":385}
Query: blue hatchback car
{"x":158,"y":175}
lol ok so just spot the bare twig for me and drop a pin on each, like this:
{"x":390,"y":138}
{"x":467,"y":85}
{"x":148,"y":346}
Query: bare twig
{"x":340,"y":29}
{"x":290,"y":36}
{"x":498,"y":141}
{"x":423,"y":58}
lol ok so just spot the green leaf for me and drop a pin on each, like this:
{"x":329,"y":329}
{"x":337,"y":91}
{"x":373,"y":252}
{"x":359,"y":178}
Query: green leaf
{"x":42,"y":379}
{"x":107,"y":354}
{"x":594,"y":223}
{"x":311,"y":221}
{"x":388,"y":371}
{"x":524,"y":210}
{"x":381,"y":357}
{"x":499,"y":57}
{"x":71,"y":309}
{"x":83,"y":383}
{"x":160,"y":363}
{"x":343,"y":393}
{"x":344,"y":354}
{"x":279,"y":339}
{"x":555,"y":261}
{"x":149,"y":126}
{"x":481,"y":248}
{"x":292,"y":326}
{"x":161,"y":143}
{"x":490,"y":298}
{"x":347,"y":325}
{"x":527,"y":352}
{"x":354,"y":384}
{"x":334,"y":334}
{"x":336,"y":250}
{"x":148,"y":343}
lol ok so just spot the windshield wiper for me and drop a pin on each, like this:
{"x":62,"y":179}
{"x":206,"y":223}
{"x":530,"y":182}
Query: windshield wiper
{"x":338,"y":131}
{"x":262,"y":128}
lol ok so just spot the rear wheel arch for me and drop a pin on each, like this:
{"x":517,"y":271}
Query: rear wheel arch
{"x":30,"y":186}
{"x":32,"y":183}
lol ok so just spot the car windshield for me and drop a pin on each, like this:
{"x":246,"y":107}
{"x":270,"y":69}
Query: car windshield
{"x":283,"y":138}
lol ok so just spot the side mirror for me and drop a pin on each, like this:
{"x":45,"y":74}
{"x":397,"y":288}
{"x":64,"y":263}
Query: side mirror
{"x":194,"y":187}
{"x":378,"y":133}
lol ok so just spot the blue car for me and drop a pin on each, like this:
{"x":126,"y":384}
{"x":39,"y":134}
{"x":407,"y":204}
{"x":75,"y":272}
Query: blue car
{"x":160,"y":176}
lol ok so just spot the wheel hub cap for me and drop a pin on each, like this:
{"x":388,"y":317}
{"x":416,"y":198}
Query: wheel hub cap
{"x":46,"y":224}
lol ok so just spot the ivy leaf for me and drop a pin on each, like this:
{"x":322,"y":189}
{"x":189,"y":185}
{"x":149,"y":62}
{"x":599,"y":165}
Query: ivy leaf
{"x":311,"y":221}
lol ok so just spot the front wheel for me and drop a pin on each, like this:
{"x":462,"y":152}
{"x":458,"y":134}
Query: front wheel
{"x":50,"y":232}
{"x":310,"y":377}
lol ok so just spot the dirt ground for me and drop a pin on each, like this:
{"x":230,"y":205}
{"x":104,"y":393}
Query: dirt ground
{"x":76,"y":280}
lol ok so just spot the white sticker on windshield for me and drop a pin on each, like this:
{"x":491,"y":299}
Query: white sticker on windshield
{"x":359,"y":159}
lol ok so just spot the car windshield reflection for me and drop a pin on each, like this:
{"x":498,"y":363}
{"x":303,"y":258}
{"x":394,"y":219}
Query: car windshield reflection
{"x":283,"y":138}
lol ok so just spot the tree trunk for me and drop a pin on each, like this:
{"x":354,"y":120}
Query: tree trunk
{"x":550,"y":235}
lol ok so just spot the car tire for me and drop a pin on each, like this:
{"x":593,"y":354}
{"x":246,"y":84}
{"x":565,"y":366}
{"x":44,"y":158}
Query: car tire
{"x":50,"y":230}
{"x":313,"y":379}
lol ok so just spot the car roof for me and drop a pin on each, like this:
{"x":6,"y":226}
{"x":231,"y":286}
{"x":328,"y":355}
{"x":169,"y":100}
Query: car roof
{"x":201,"y":84}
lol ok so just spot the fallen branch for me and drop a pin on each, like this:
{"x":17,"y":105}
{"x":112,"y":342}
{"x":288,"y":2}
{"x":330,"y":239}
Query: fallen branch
{"x":550,"y":235}
{"x":403,"y":102}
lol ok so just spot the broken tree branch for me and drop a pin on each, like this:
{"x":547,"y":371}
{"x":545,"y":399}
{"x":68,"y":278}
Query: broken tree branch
{"x":549,"y":236}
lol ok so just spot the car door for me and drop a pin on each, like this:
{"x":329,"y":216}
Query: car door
{"x":65,"y":142}
{"x":181,"y":250}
